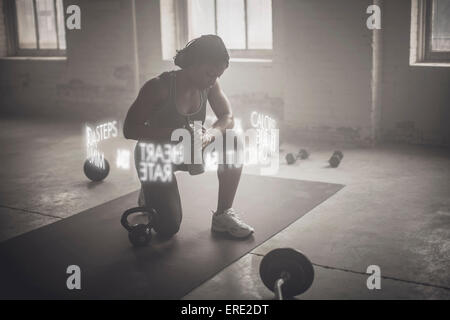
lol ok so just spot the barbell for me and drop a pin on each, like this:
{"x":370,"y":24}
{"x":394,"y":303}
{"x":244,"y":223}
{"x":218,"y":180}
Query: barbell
{"x":287,"y":272}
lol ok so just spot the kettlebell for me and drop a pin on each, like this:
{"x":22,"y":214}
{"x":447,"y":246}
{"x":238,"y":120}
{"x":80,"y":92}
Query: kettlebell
{"x":139,"y":234}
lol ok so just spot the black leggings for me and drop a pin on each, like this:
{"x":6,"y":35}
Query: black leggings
{"x":164,"y":197}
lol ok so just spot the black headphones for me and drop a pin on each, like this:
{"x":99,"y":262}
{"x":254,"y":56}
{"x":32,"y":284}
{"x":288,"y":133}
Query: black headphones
{"x":139,"y":234}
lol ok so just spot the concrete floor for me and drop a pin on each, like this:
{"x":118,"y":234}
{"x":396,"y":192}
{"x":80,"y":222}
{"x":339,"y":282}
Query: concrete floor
{"x":394,"y":212}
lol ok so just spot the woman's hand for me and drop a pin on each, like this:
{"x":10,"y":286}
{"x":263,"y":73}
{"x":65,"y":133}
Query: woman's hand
{"x":207,"y":137}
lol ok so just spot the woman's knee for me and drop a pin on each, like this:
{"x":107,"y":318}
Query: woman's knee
{"x":168,"y":220}
{"x":167,"y":228}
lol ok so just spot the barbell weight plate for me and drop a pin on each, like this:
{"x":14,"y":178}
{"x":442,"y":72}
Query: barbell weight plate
{"x":292,"y":262}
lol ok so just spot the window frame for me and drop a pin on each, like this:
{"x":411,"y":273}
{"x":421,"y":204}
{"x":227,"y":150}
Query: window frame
{"x":13,"y":33}
{"x":182,"y":27}
{"x":421,"y":23}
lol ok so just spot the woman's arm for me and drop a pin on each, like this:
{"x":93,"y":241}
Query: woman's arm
{"x":150,"y":96}
{"x":221,"y":107}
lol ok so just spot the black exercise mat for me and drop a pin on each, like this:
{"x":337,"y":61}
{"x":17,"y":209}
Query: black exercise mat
{"x":34,"y":264}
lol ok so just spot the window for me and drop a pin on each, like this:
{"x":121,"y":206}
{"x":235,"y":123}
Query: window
{"x":244,"y":25}
{"x":430,"y":32}
{"x":36,"y":27}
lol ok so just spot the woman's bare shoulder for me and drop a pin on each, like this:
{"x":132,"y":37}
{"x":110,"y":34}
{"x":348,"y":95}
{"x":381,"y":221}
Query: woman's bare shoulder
{"x":157,"y":88}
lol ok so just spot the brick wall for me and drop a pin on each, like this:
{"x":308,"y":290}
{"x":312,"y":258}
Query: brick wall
{"x":3,"y":48}
{"x":94,"y":82}
{"x":416,"y":100}
{"x":325,"y":60}
{"x":318,"y":85}
{"x":316,"y":45}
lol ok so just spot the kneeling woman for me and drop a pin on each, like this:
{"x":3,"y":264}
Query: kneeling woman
{"x":164,"y":104}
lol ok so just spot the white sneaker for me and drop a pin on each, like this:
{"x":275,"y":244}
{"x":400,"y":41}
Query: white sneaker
{"x":230,"y":222}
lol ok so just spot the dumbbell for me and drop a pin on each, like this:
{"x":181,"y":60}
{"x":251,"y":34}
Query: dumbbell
{"x":287,"y":272}
{"x":94,"y":172}
{"x":139,"y":234}
{"x":336,"y":159}
{"x":302,"y":154}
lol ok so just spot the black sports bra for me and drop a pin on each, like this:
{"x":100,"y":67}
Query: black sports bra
{"x":169,"y":116}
